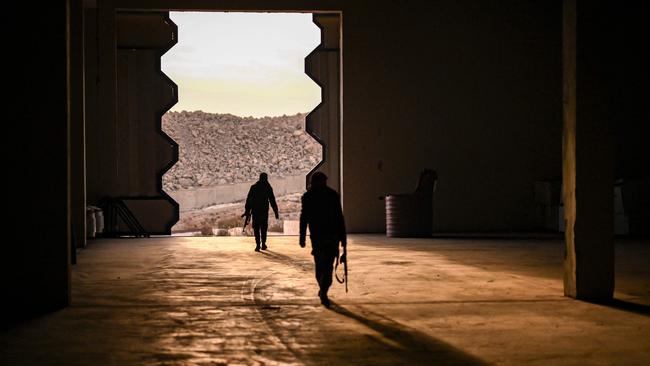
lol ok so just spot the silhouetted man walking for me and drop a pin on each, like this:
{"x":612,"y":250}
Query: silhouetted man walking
{"x":257,"y":204}
{"x":321,"y":211}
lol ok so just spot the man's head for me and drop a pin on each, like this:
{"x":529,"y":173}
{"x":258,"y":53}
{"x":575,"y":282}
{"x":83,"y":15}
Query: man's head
{"x":319,"y":179}
{"x":264,"y":177}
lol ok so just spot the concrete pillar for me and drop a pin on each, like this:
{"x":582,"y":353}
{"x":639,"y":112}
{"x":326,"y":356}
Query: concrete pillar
{"x":588,"y":162}
{"x":36,"y":250}
{"x":101,"y":137}
{"x":77,"y":127}
{"x":91,"y":81}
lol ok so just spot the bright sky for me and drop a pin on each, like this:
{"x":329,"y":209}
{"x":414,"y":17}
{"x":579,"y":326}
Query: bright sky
{"x":246,"y":64}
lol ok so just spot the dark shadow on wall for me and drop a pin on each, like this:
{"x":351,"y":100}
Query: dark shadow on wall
{"x":406,"y":345}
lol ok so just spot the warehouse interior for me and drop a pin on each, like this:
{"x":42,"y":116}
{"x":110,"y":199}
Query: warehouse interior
{"x":534,"y":115}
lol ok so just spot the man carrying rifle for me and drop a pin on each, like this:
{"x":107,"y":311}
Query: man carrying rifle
{"x":257,"y":204}
{"x":321,"y":211}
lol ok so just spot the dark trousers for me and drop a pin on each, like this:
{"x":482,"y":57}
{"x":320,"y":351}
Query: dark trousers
{"x":260,"y":226}
{"x":325,"y":253}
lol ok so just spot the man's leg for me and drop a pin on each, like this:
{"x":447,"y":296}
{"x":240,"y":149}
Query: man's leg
{"x":326,"y":274}
{"x":256,"y":231}
{"x":264,"y":226}
{"x":319,"y":270}
{"x":324,"y":263}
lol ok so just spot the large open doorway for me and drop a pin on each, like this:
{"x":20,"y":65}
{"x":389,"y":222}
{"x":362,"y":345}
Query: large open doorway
{"x":137,"y":152}
{"x":243,"y":102}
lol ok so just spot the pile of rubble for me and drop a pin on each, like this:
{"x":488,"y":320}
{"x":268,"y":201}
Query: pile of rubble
{"x":217,"y":149}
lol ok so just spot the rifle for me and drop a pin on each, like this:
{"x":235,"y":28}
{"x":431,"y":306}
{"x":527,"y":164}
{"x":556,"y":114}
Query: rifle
{"x":248,"y":217}
{"x":343,"y":259}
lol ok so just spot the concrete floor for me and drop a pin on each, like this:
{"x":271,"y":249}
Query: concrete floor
{"x":214,"y":301}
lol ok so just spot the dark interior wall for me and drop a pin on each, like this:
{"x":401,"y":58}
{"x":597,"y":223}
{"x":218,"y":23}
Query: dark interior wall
{"x":324,"y":67}
{"x":128,"y":150}
{"x":470,"y":88}
{"x":631,"y":86}
{"x":101,"y":95}
{"x":628,"y":80}
{"x":140,"y":151}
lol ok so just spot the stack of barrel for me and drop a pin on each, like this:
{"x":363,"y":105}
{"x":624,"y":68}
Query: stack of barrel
{"x":411,"y":214}
{"x":94,"y":221}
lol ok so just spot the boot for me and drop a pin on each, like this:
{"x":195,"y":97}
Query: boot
{"x":324,"y":299}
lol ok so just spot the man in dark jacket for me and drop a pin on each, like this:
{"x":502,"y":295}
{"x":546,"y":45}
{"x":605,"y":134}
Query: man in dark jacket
{"x":257,"y":204}
{"x":321,"y":211}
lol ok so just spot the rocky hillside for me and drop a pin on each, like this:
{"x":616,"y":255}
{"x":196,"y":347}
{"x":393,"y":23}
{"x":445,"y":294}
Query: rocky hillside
{"x":218,"y":149}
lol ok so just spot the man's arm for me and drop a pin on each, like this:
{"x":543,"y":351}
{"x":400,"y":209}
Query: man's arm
{"x":274,"y":205}
{"x":249,"y":202}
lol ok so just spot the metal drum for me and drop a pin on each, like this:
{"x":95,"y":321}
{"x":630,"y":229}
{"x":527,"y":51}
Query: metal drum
{"x":91,"y":223}
{"x":99,"y":220}
{"x":409,"y":215}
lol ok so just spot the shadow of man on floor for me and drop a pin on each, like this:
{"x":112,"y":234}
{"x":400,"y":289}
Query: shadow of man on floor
{"x":413,"y":347}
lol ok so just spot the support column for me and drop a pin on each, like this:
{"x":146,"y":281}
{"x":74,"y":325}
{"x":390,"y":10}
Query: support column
{"x":77,"y":128}
{"x":588,"y":162}
{"x":101,"y":137}
{"x":36,"y":250}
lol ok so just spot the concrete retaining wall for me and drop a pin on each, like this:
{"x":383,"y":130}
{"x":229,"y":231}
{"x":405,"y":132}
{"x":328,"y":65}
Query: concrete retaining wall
{"x":196,"y":198}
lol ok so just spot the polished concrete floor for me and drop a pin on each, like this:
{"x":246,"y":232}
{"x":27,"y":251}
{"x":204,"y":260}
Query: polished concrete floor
{"x":214,"y":301}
